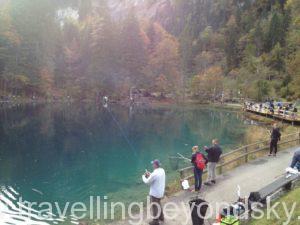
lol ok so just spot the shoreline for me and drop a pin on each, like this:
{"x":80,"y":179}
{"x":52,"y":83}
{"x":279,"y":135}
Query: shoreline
{"x":151,"y":103}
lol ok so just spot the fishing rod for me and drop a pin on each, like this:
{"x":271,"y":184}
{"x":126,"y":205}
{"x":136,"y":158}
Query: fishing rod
{"x":184,"y":158}
{"x":121,"y":129}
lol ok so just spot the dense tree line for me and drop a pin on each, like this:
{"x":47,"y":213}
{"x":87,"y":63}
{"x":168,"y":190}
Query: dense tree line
{"x":54,"y":49}
{"x":249,"y":48}
{"x":77,"y":48}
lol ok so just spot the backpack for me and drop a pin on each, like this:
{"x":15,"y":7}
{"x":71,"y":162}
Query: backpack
{"x":200,"y":161}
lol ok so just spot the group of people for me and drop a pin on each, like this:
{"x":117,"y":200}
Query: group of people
{"x":272,"y":107}
{"x":209,"y":160}
{"x":157,"y":178}
{"x":200,"y":161}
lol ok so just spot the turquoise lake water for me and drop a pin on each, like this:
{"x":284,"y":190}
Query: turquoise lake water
{"x":69,"y":153}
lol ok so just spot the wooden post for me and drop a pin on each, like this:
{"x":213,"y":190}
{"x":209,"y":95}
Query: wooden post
{"x":246,"y":157}
{"x":221,"y":167}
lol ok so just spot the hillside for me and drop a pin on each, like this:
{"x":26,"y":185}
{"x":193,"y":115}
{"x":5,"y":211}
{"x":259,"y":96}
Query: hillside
{"x":205,"y":49}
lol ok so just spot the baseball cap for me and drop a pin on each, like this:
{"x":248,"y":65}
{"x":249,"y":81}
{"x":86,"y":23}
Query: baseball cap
{"x":156,"y":162}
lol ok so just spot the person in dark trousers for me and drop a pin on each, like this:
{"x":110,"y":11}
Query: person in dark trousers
{"x":275,"y":137}
{"x":213,"y":155}
{"x":296,"y":160}
{"x":198,"y":171}
{"x":157,"y":182}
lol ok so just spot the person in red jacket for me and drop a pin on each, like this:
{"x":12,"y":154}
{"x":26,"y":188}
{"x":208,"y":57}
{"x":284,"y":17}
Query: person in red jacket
{"x":199,"y":161}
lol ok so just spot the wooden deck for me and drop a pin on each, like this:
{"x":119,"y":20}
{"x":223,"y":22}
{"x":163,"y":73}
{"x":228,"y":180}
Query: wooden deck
{"x":292,"y":118}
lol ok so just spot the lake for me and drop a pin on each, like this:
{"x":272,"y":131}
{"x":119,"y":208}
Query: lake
{"x":55,"y":153}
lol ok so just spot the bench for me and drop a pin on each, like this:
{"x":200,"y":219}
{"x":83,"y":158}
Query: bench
{"x":283,"y":182}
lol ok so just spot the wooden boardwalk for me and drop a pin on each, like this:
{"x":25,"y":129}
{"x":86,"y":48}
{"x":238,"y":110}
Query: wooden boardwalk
{"x":281,"y":115}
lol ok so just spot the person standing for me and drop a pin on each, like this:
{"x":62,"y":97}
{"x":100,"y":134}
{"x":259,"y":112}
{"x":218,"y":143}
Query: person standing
{"x":275,"y":137}
{"x":199,"y":161}
{"x":296,"y":160}
{"x":157,"y":182}
{"x":213,"y":155}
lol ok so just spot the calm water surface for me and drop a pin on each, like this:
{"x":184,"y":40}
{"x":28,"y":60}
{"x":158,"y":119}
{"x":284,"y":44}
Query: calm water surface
{"x":68,"y":153}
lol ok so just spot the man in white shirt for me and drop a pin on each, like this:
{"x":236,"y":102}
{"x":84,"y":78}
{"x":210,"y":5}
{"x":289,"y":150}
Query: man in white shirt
{"x":157,"y":182}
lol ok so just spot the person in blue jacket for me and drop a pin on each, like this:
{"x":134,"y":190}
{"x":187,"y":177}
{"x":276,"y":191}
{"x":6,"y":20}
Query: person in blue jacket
{"x":296,"y":160}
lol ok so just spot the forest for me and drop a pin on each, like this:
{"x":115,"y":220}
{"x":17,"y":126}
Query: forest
{"x":197,"y":49}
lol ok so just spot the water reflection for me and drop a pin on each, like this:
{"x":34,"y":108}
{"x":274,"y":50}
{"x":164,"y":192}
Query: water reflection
{"x":70,"y":152}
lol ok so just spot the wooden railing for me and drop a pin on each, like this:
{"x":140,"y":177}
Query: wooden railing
{"x":284,"y":115}
{"x":244,"y":154}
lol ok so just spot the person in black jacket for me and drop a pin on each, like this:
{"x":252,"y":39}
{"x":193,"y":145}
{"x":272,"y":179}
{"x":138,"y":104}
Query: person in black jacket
{"x":197,"y":171}
{"x":213,"y":156}
{"x":275,"y":137}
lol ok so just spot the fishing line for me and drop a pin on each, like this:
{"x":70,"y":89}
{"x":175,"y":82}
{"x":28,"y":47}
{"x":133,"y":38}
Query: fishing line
{"x":184,"y":158}
{"x":121,"y":130}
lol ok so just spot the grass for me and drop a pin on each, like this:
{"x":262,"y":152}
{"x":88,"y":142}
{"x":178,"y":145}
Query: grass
{"x":289,"y":199}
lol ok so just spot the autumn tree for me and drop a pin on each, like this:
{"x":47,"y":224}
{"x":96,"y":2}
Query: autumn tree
{"x":102,"y":55}
{"x":164,"y":61}
{"x":9,"y":45}
{"x":276,"y":31}
{"x":293,"y":44}
{"x":231,"y":40}
{"x":209,"y":84}
{"x":47,"y":82}
{"x":132,"y":50}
